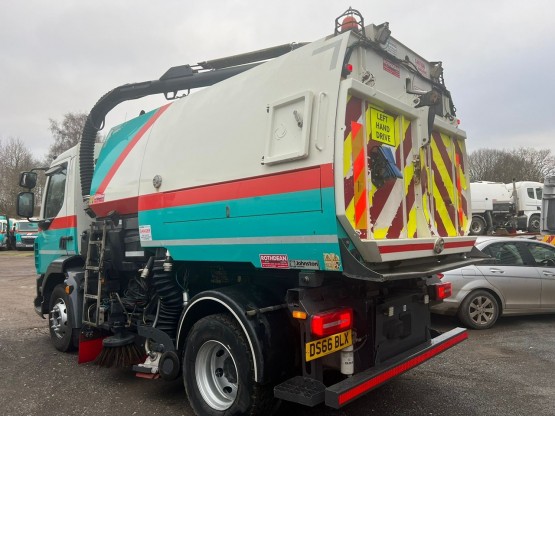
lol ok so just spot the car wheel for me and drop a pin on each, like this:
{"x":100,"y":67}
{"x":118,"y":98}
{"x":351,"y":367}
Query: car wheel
{"x":218,"y":370}
{"x":477,"y":226}
{"x":534,"y":224}
{"x":63,"y":336}
{"x":479,"y":310}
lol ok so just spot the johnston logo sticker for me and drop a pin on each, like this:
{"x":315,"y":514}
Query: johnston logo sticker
{"x":274,"y":261}
{"x":305,"y":264}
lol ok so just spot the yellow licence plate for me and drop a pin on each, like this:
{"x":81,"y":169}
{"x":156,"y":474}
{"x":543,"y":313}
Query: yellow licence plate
{"x":327,"y":345}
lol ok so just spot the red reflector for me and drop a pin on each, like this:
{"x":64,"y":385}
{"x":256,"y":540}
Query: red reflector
{"x":399,"y":369}
{"x":443,"y":290}
{"x":332,"y":321}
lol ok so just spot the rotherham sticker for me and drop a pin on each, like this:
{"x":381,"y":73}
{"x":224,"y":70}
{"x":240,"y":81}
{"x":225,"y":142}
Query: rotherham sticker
{"x":274,"y":261}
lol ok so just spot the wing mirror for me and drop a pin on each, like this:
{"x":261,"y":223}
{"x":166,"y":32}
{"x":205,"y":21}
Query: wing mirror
{"x":25,"y":204}
{"x":28,"y":180}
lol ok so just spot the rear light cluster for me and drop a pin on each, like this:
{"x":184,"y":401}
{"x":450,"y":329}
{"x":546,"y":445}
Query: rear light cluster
{"x":442,"y":291}
{"x":331,"y":321}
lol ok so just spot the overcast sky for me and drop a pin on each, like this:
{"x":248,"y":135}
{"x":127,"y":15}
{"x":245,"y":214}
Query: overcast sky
{"x":62,"y":56}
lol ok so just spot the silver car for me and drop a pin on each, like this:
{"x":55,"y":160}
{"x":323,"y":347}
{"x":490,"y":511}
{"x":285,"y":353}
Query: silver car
{"x":518,"y":278}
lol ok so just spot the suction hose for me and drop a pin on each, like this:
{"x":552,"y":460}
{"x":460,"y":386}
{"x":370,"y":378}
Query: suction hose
{"x":171,"y":299}
{"x":176,"y":79}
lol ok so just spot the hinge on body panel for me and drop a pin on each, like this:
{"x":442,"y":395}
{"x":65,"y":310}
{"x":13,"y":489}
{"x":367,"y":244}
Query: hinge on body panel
{"x":416,"y":164}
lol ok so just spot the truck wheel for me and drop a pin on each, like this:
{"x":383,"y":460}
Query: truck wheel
{"x":62,"y":335}
{"x":218,"y":370}
{"x":479,"y":310}
{"x":534,"y":224}
{"x":477,"y":226}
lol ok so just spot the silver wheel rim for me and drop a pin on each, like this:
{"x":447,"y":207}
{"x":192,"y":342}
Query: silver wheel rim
{"x":534,"y":225}
{"x":216,"y":375}
{"x":58,"y":319}
{"x":482,"y":310}
{"x":475,"y":227}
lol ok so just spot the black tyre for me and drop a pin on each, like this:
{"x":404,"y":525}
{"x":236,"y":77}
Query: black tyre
{"x":63,"y":337}
{"x":534,"y":224}
{"x":479,"y":310}
{"x":477,"y":226}
{"x":218,"y":370}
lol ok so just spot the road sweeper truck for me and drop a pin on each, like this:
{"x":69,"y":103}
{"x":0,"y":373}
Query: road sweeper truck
{"x":508,"y":206}
{"x":268,"y":236}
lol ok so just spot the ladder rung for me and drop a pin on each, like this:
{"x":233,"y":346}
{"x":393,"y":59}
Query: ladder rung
{"x":89,"y":296}
{"x":95,"y":268}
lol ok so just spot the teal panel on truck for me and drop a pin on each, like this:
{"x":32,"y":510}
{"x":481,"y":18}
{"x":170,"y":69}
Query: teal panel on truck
{"x":203,"y":223}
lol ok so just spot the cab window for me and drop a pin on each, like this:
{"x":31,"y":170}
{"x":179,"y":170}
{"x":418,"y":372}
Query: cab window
{"x":55,"y":192}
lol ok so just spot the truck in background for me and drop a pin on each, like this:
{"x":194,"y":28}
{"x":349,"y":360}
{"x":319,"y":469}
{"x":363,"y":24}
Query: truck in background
{"x":548,"y":210}
{"x":3,"y":232}
{"x":7,"y":232}
{"x":270,"y":236}
{"x":509,"y":206}
{"x":25,"y":234}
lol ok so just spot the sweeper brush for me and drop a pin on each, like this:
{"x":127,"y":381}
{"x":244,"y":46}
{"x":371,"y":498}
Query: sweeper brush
{"x":119,"y":350}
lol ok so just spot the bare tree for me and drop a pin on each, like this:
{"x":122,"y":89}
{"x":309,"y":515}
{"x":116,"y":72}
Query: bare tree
{"x":521,"y":164}
{"x":15,"y":157}
{"x":66,"y":133}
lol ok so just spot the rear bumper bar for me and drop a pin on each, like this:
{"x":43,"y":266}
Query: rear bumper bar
{"x":352,"y":388}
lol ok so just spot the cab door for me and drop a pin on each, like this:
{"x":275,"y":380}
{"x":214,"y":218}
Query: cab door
{"x":55,"y":226}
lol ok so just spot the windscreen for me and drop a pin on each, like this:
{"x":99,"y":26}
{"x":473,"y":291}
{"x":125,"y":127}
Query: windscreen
{"x":27,"y":226}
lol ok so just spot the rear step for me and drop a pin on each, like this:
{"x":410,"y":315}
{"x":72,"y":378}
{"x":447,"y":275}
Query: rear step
{"x":309,"y":392}
{"x":302,"y":390}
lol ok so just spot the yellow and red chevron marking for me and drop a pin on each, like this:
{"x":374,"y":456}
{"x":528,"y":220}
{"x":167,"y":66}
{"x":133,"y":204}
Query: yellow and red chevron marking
{"x":353,"y":115}
{"x":425,"y":187}
{"x":359,"y":176}
{"x":463,"y":191}
{"x":444,"y":185}
{"x":410,"y":182}
{"x":388,"y":204}
{"x":549,"y":239}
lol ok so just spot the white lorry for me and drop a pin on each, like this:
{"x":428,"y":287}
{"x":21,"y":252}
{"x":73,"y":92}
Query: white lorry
{"x":511,"y":206}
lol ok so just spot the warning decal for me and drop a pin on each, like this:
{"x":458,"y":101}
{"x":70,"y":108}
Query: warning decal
{"x":145,"y":233}
{"x":383,"y":127}
{"x":394,"y":69}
